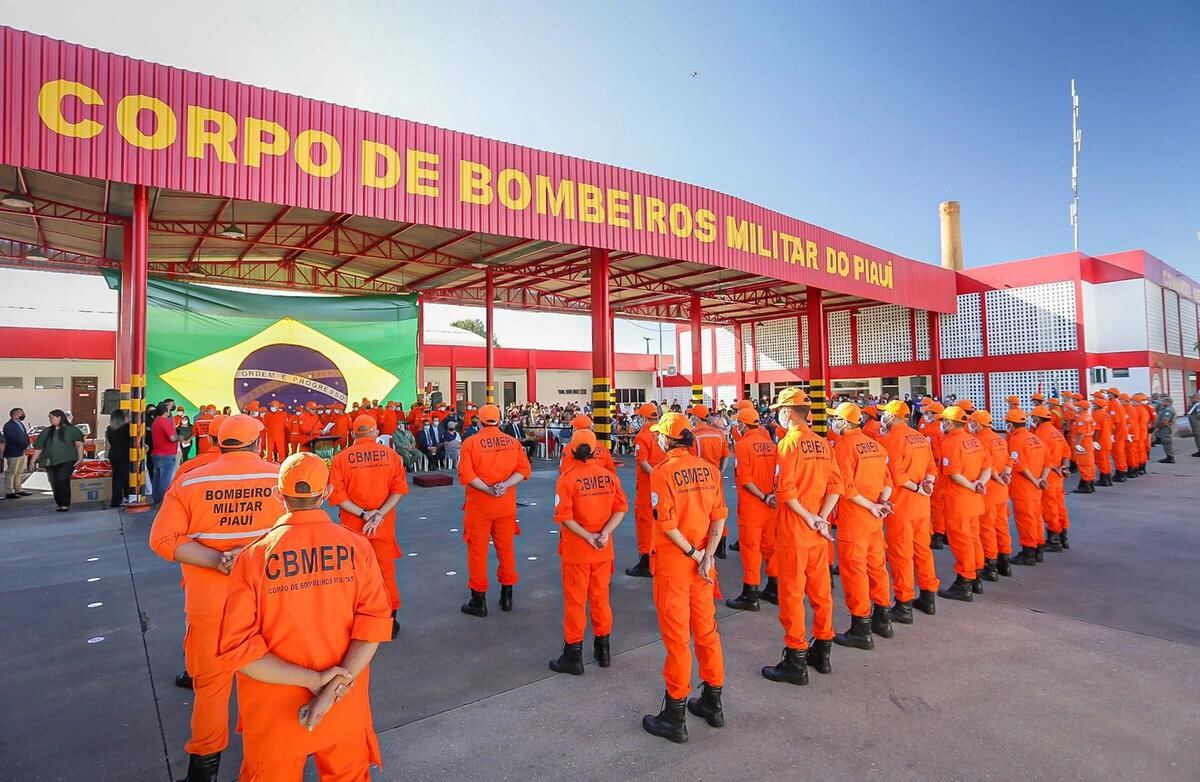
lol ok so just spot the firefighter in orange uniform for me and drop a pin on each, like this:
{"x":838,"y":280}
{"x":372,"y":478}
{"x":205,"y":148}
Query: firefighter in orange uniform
{"x":910,"y":461}
{"x":689,"y":514}
{"x":755,"y":455}
{"x":416,"y":416}
{"x":871,"y":426}
{"x":737,"y":408}
{"x":368,"y":480}
{"x":995,"y":537}
{"x":204,"y":521}
{"x":387,"y":419}
{"x":1082,"y":441}
{"x":1139,"y":416}
{"x":713,"y":447}
{"x":201,"y":426}
{"x":491,"y":464}
{"x":1054,"y":506}
{"x":589,"y":504}
{"x":1030,"y":470}
{"x":293,"y":422}
{"x":1120,"y":436}
{"x":341,"y":426}
{"x":806,"y":492}
{"x":300,"y":632}
{"x":276,"y":424}
{"x":1103,"y":438}
{"x":600,"y":455}
{"x":867,"y":488}
{"x":930,"y":426}
{"x":309,"y":425}
{"x":648,"y":456}
{"x":1125,"y":411}
{"x":966,"y":471}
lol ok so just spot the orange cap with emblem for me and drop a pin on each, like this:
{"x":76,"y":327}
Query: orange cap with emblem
{"x":748,"y":415}
{"x":743,"y":404}
{"x":303,"y":475}
{"x":581,"y":422}
{"x":673,"y":425}
{"x":871,"y":410}
{"x":700,"y":411}
{"x":848,"y":412}
{"x":965,"y":404}
{"x":1041,"y":411}
{"x":1015,"y":416}
{"x":489,"y":414}
{"x":983,"y":418}
{"x":932,"y":407}
{"x":896,"y":407}
{"x":364,"y":424}
{"x":238,"y":431}
{"x":791,"y":397}
{"x":648,"y":411}
{"x":583,"y":437}
{"x":214,"y":426}
{"x":954,"y":413}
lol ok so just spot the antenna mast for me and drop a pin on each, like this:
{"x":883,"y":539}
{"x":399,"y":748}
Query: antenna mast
{"x":1076,"y":143}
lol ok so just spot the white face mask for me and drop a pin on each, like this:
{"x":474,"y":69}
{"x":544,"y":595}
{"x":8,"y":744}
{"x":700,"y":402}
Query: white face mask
{"x":886,"y":421}
{"x":945,"y":427}
{"x":838,"y":425}
{"x":663,"y":442}
{"x":782,"y":417}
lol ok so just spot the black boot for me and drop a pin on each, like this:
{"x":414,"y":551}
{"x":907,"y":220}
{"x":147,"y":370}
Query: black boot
{"x":770,"y":592}
{"x":901,"y":612}
{"x":395,"y":626}
{"x":708,"y":705}
{"x":881,"y":622}
{"x":1119,"y":476}
{"x":1004,"y":565}
{"x":601,"y":651}
{"x":671,"y":721}
{"x":1062,"y":540}
{"x":720,"y":552}
{"x":959,"y":590}
{"x":203,"y":768}
{"x":926,"y":602}
{"x":1039,"y":552}
{"x":1082,"y":488}
{"x":817,"y":656}
{"x":859,"y":634}
{"x":735,"y":546}
{"x":989,"y":572}
{"x":937,"y":541}
{"x":1167,"y":460}
{"x":184,"y":681}
{"x":477,"y":605}
{"x":641,"y":569}
{"x":506,"y":598}
{"x":1105,"y":479}
{"x":570,"y":661}
{"x":747,"y":600}
{"x":791,"y":668}
{"x":833,"y":570}
{"x":1052,"y":545}
{"x":1028,"y":556}
{"x":977,"y":585}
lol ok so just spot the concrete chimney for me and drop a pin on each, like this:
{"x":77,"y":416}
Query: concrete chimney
{"x":952,"y":253}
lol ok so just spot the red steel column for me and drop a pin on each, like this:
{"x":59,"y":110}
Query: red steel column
{"x":531,"y":383}
{"x":602,"y":367}
{"x":818,"y":372}
{"x":453,"y":380}
{"x":697,"y":352}
{"x":139,"y":274}
{"x":935,"y":352}
{"x":420,"y":384}
{"x":489,"y":373}
{"x":739,"y":368}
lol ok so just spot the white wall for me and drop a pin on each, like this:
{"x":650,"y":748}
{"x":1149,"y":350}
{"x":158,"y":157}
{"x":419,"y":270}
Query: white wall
{"x":1138,"y":380}
{"x":38,"y":403}
{"x":52,"y":300}
{"x":1114,"y":316}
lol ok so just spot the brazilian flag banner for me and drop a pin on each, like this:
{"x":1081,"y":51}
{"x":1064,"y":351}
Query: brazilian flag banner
{"x":208,"y":345}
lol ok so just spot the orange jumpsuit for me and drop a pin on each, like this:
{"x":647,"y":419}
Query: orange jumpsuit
{"x":937,"y":519}
{"x":863,"y":464}
{"x":223,"y":505}
{"x":1120,"y":445}
{"x":757,"y":465}
{"x":341,"y":427}
{"x":602,"y":457}
{"x":711,"y":444}
{"x":1054,"y":498}
{"x":871,"y":428}
{"x":387,"y":421}
{"x":646,"y":450}
{"x":276,"y":428}
{"x":303,"y":592}
{"x":366,"y":474}
{"x":416,"y":416}
{"x":1103,"y":437}
{"x":309,"y":426}
{"x":200,"y":432}
{"x":687,"y":497}
{"x":491,"y":456}
{"x":1139,"y":416}
{"x":963,"y":454}
{"x":910,"y":458}
{"x":588,"y":494}
{"x":1083,"y":427}
{"x":1028,"y":453}
{"x":293,"y":425}
{"x":808,"y":473}
{"x":994,"y":533}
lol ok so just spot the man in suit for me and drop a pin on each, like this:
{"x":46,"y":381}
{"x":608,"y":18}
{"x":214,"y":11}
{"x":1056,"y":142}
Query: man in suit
{"x":515,"y":429}
{"x":432,"y":444}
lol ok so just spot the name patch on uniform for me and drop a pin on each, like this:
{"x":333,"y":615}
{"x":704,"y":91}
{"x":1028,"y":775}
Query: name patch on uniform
{"x":366,"y":457}
{"x":310,"y":561}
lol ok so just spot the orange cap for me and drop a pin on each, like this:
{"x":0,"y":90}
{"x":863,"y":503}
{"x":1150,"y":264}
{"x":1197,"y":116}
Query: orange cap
{"x":1054,"y":401}
{"x":700,"y":411}
{"x":673,"y":425}
{"x":214,"y":426}
{"x":896,"y":407}
{"x":254,"y":405}
{"x":311,"y":405}
{"x":238,"y":431}
{"x":965,"y":404}
{"x":1098,"y":395}
{"x":303,"y":475}
{"x":954,"y":413}
{"x":1038,"y":397}
{"x":648,"y":411}
{"x":583,"y":437}
{"x":581,"y":422}
{"x":364,"y":424}
{"x":932,"y":407}
{"x":1123,"y":397}
{"x":1041,"y":411}
{"x":1015,"y":416}
{"x":743,"y":404}
{"x":791,"y":397}
{"x":489,"y":414}
{"x":1114,"y":391}
{"x":747,"y":415}
{"x":849,"y":412}
{"x":1139,"y":396}
{"x":1015,"y":401}
{"x":871,"y":410}
{"x":982,"y":417}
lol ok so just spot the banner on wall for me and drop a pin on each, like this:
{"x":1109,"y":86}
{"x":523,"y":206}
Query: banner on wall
{"x":208,"y":345}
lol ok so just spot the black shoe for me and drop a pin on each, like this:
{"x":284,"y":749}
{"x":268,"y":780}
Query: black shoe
{"x":641,"y":569}
{"x":977,"y":586}
{"x":203,"y":768}
{"x":12,"y":496}
{"x":926,"y":602}
{"x":1052,"y":545}
{"x":183,"y":681}
{"x":1062,"y":540}
{"x":859,"y":634}
{"x":671,"y":721}
{"x":901,"y":612}
{"x":1004,"y":565}
{"x":770,"y":592}
{"x":1039,"y":553}
{"x":720,"y":552}
{"x":477,"y":605}
{"x":1028,"y":556}
{"x":735,"y":545}
{"x":1119,"y":476}
{"x":989,"y":572}
{"x":959,"y":590}
{"x":817,"y":655}
{"x":601,"y":651}
{"x":747,"y":600}
{"x":708,"y":705}
{"x":791,"y":668}
{"x":833,"y":570}
{"x":1168,"y":460}
{"x":881,"y":622}
{"x":30,"y":494}
{"x":1105,"y":479}
{"x":1195,"y":455}
{"x":570,"y":661}
{"x":1082,"y":488}
{"x":506,"y":598}
{"x":395,"y":626}
{"x":937,"y":541}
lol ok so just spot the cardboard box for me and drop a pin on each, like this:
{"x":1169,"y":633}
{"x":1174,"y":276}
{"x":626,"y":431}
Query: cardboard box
{"x":91,"y":489}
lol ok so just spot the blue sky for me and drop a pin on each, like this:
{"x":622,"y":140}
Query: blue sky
{"x":858,"y":117}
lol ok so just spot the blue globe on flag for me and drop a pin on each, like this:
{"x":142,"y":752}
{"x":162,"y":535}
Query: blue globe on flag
{"x":291,"y":374}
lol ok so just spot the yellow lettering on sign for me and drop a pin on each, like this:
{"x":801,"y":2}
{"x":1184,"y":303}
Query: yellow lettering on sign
{"x":560,"y":200}
{"x":656,"y":212}
{"x":810,"y":251}
{"x":165,"y":125}
{"x":737,"y":233}
{"x":474,"y":183}
{"x":304,"y":153}
{"x":681,"y":220}
{"x":860,"y":264}
{"x":618,"y":208}
{"x":637,"y":211}
{"x":591,"y":203}
{"x":420,"y":178}
{"x":508,"y":177}
{"x":50,"y":98}
{"x":201,"y":135}
{"x":254,"y":145}
{"x":706,"y":225}
{"x":374,"y":152}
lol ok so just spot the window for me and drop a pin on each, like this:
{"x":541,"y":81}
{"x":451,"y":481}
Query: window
{"x":631,"y":395}
{"x":1120,"y":373}
{"x":891,"y":387}
{"x":47,"y":383}
{"x":12,"y":382}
